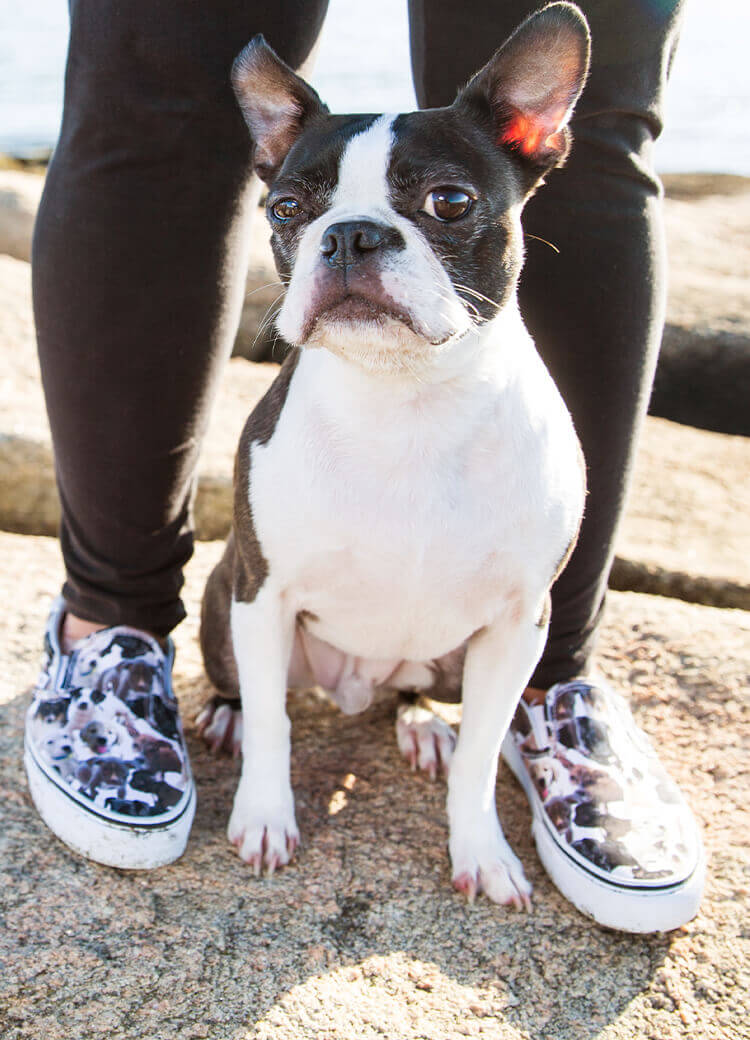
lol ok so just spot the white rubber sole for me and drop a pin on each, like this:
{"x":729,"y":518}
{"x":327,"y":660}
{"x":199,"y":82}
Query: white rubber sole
{"x":610,"y":904}
{"x":131,"y":845}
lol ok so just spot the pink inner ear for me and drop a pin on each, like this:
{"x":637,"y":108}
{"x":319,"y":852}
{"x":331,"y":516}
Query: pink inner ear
{"x":531,"y":134}
{"x":522,"y":133}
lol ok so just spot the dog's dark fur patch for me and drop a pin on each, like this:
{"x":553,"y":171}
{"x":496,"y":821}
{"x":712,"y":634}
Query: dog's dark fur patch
{"x":443,"y":147}
{"x":242,"y":569}
{"x":448,"y":673}
{"x":251,"y":569}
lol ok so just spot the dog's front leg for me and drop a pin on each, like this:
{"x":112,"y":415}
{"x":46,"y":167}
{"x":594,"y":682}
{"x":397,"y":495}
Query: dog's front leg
{"x":499,"y":661}
{"x":262,"y":824}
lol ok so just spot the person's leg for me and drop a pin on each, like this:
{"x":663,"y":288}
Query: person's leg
{"x":138,"y":273}
{"x":596,"y":308}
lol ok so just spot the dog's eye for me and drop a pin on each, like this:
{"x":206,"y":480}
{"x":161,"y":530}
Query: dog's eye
{"x":447,"y":203}
{"x":286,"y":209}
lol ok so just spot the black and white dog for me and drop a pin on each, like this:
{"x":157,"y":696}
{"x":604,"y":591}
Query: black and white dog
{"x":411,"y":484}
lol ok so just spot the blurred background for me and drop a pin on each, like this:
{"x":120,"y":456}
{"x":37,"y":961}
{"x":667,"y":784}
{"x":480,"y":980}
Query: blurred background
{"x":363,"y":65}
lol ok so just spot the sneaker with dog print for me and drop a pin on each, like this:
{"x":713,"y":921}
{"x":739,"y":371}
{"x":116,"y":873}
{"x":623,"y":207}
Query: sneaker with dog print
{"x":104,"y":752}
{"x":611,"y":827}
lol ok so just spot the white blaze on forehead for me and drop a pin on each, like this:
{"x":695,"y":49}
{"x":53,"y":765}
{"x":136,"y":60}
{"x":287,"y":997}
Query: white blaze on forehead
{"x":363,"y":172}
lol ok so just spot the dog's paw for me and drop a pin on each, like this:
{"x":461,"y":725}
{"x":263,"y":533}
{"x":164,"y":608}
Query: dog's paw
{"x":489,"y":865}
{"x":265,"y":837}
{"x":220,"y":726}
{"x":424,"y":739}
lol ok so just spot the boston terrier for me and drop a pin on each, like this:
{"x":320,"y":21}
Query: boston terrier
{"x":411,"y":484}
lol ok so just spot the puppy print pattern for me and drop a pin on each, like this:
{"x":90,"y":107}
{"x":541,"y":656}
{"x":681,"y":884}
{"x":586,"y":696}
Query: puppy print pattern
{"x":606,"y":797}
{"x":104,"y":725}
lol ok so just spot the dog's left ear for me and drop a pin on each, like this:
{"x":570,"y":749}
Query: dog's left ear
{"x":275,"y":102}
{"x":531,"y":84}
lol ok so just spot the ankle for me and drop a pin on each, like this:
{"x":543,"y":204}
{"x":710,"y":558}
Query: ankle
{"x":75,"y":628}
{"x":533,"y":695}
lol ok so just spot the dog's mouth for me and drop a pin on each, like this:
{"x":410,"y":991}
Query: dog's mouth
{"x":352,"y":299}
{"x":359,"y":309}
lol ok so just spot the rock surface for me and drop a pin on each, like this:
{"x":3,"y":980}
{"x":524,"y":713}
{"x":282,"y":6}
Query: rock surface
{"x":362,"y":937}
{"x":19,"y":199}
{"x":703,"y":376}
{"x":685,"y":532}
{"x":707,"y":218}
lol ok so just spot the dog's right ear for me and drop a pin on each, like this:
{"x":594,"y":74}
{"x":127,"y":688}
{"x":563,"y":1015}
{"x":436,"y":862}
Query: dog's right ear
{"x":275,"y":102}
{"x":530,"y":85}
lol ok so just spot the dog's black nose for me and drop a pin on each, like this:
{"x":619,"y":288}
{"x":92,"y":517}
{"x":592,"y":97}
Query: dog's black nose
{"x":349,"y":241}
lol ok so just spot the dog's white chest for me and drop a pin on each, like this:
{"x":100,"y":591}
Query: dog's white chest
{"x":403,"y":523}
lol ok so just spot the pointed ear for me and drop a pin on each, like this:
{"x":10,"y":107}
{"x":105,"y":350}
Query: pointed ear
{"x":275,"y":102}
{"x":531,"y":84}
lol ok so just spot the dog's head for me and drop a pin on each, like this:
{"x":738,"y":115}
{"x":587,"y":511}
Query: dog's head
{"x":97,"y":737}
{"x":398,"y":235}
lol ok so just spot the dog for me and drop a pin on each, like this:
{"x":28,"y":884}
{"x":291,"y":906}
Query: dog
{"x":411,"y":484}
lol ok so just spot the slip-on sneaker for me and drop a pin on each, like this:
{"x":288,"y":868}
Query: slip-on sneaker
{"x":104,"y":751}
{"x":612,"y":829}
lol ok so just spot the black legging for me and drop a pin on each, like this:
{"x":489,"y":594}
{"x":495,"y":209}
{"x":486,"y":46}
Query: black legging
{"x":140,"y":256}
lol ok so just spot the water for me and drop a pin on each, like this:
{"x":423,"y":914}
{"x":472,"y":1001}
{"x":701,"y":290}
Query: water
{"x":363,"y":65}
{"x":33,"y":39}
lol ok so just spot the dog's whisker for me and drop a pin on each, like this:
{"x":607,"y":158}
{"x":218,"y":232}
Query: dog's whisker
{"x":265,"y":325}
{"x":538,"y":239}
{"x":268,"y":285}
{"x":473,"y":306}
{"x":477,"y":295}
{"x":474,"y":314}
{"x":263,"y":331}
{"x":270,"y":314}
{"x":272,"y":304}
{"x":277,"y":339}
{"x":268,"y":318}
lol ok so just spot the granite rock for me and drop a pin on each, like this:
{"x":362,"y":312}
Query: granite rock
{"x":19,"y":200}
{"x":685,"y":532}
{"x":703,"y":375}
